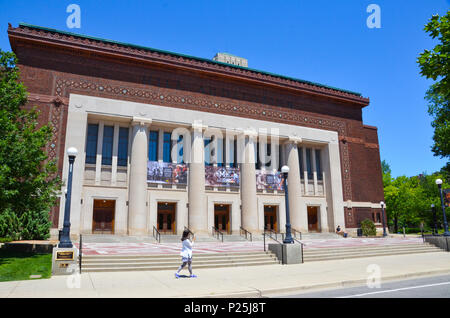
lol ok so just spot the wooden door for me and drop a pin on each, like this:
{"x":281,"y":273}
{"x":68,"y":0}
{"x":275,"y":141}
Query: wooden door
{"x":103,"y":217}
{"x":222,"y":217}
{"x":270,"y":218}
{"x":166,"y":217}
{"x":313,"y":220}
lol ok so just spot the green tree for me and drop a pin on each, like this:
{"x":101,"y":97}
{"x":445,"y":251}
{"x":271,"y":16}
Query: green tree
{"x":28,"y":182}
{"x":435,"y":65}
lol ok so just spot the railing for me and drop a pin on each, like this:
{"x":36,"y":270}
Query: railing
{"x":295,"y":233}
{"x":216,"y":232}
{"x":270,"y":233}
{"x":156,"y":234}
{"x":80,"y":257}
{"x":241,"y":229}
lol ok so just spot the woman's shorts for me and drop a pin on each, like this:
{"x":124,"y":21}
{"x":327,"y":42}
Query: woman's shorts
{"x":186,"y":259}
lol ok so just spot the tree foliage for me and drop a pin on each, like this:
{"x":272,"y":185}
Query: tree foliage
{"x":435,"y":65}
{"x":28,"y":185}
{"x":409,"y":199}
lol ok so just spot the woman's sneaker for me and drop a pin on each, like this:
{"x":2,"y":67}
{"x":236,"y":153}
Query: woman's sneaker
{"x":193,"y":276}
{"x":177,"y":275}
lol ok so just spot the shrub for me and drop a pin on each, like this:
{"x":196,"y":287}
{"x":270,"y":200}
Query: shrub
{"x":368,"y":228}
{"x":9,"y":225}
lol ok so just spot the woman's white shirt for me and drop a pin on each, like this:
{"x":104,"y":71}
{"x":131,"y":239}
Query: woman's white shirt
{"x":186,"y":250}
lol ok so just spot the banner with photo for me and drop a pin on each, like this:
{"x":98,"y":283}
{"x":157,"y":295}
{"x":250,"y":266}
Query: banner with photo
{"x":269,"y":180}
{"x":221,"y":176}
{"x":166,"y":172}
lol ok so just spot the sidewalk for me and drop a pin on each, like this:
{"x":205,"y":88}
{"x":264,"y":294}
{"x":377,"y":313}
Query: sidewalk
{"x":255,"y":281}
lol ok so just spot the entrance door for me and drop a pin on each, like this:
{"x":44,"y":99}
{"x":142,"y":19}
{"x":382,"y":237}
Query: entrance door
{"x":270,"y":218}
{"x":222,"y":217}
{"x":313,"y":220}
{"x":103,"y":217}
{"x":166,"y":217}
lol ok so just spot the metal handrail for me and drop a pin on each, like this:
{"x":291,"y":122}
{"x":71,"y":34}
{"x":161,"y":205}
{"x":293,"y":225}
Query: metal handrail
{"x":295,"y":233}
{"x":272,"y":232}
{"x":216,"y":230}
{"x":80,"y":257}
{"x":158,"y":234}
{"x":246,"y":233}
{"x":270,"y":235}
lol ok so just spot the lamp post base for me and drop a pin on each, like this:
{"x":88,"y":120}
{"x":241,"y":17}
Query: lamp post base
{"x":287,"y":253}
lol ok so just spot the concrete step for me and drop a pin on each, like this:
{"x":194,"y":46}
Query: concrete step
{"x":358,"y":249}
{"x":309,"y":257}
{"x":177,"y":262}
{"x":175,"y":259}
{"x":92,"y":263}
{"x":196,"y":255}
{"x":174,"y":268}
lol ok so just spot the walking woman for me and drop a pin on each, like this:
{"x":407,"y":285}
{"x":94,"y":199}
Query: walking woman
{"x":186,"y":253}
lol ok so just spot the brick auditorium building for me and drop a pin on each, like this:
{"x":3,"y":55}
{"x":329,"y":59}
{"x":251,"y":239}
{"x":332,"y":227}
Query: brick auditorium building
{"x":139,"y":115}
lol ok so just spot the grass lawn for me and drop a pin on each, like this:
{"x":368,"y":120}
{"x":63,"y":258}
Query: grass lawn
{"x":20,"y":266}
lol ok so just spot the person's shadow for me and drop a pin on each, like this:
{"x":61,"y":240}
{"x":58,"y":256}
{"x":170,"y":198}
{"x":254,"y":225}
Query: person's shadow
{"x":184,"y":276}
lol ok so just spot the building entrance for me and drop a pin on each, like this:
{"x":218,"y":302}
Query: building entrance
{"x":270,"y":218}
{"x":222,"y":217}
{"x":166,"y":217}
{"x":103,"y":217}
{"x":313,"y":220}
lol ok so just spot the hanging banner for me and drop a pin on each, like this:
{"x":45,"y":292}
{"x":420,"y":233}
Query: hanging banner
{"x":269,"y":180}
{"x":166,"y":173}
{"x":221,"y":176}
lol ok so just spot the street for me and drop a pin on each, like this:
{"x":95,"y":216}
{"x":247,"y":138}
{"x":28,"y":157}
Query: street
{"x":427,"y":287}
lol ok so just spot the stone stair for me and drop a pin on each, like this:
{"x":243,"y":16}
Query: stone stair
{"x":109,"y":263}
{"x":324,"y":254}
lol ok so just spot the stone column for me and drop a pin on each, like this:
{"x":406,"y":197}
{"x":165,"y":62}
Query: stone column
{"x":137,"y":197}
{"x":298,"y":221}
{"x":198,"y":217}
{"x":248,"y":184}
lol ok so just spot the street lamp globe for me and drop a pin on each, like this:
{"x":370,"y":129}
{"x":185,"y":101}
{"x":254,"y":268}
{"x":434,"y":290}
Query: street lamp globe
{"x":72,"y":152}
{"x":438,"y":181}
{"x":381,"y":203}
{"x":285,"y":169}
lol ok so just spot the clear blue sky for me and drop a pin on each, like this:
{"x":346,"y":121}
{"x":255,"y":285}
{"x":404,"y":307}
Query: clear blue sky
{"x":316,"y":40}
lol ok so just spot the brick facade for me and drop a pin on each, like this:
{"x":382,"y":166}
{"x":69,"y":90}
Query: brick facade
{"x":53,"y":65}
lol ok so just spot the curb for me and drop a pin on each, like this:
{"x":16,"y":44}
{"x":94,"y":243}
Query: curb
{"x":294,"y":289}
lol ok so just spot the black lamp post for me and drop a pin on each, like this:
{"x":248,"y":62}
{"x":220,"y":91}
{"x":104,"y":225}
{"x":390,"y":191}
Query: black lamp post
{"x":435,"y":229}
{"x":65,"y":235}
{"x":382,"y":217}
{"x":439,"y":184}
{"x":288,"y":239}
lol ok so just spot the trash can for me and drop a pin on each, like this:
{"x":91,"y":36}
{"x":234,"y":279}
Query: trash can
{"x":359,"y":232}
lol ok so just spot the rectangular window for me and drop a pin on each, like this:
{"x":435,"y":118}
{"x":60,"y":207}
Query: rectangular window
{"x":300,"y":159}
{"x":108,"y":137}
{"x":167,"y":147}
{"x":91,"y":143}
{"x":220,"y":152}
{"x":309,"y":163}
{"x":318,"y":165}
{"x":180,"y":149}
{"x":122,"y":158}
{"x":207,"y":142}
{"x":153,"y":146}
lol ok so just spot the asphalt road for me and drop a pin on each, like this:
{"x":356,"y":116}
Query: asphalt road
{"x":426,"y":287}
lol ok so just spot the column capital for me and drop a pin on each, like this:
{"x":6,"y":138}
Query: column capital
{"x":198,"y":126}
{"x":293,"y":140}
{"x":141,"y":121}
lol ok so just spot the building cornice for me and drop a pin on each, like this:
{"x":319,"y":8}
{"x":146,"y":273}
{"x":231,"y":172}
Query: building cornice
{"x":76,"y":42}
